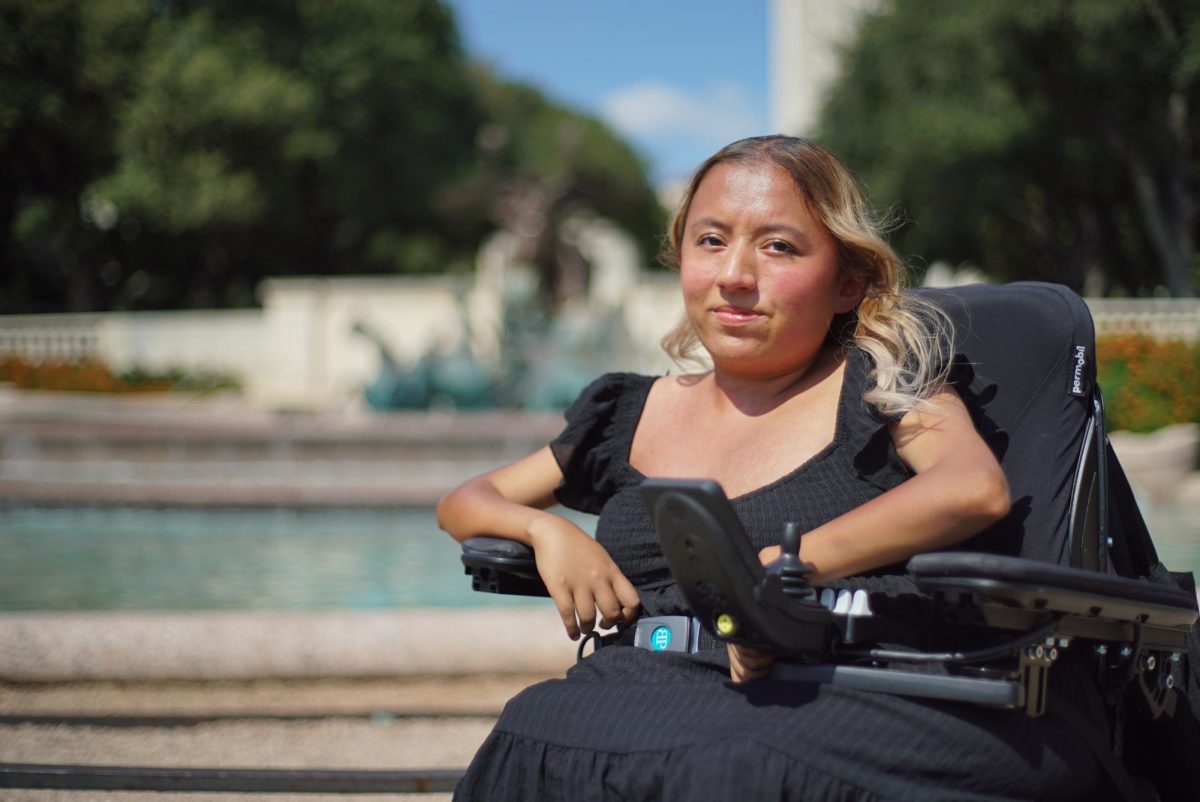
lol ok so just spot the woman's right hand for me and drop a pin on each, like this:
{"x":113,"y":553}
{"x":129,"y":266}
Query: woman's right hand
{"x":581,"y":577}
{"x":511,"y":502}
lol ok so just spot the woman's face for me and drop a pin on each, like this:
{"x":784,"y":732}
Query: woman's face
{"x":759,"y":271}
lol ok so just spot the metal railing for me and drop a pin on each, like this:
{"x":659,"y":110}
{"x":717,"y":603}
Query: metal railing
{"x":1160,"y":318}
{"x":294,"y":781}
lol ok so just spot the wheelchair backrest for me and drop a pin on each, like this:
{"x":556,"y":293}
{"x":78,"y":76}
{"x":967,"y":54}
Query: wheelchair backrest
{"x":1027,"y":371}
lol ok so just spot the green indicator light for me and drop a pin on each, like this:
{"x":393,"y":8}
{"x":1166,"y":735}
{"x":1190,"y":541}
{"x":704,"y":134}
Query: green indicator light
{"x":725,"y":624}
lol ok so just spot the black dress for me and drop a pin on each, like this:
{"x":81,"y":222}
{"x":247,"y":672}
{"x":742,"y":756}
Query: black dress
{"x":631,"y":724}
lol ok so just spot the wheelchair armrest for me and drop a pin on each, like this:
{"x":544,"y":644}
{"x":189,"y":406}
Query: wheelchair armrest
{"x":1011,"y":584}
{"x":500,"y":565}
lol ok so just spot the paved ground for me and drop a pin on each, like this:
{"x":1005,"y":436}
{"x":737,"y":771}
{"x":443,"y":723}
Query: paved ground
{"x":420,"y":722}
{"x":248,"y":645}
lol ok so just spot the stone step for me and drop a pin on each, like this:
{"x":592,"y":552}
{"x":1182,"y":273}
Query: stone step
{"x":412,"y":723}
{"x":262,"y":645}
{"x":424,"y":743}
{"x":381,"y":698}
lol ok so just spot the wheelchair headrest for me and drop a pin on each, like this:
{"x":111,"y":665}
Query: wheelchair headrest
{"x":1025,"y":365}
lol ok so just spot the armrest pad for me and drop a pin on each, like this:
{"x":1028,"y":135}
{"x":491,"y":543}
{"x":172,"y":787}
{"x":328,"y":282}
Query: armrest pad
{"x":1056,"y":587}
{"x":499,"y":553}
{"x":500,"y":565}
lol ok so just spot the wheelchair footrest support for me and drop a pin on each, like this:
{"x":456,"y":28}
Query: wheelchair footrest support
{"x":992,"y":692}
{"x":1033,"y":666}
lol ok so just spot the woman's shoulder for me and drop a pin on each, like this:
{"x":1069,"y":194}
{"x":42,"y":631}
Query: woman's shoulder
{"x":607,"y":389}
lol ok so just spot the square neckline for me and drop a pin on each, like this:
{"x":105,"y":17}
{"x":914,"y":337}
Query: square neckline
{"x":829,"y":448}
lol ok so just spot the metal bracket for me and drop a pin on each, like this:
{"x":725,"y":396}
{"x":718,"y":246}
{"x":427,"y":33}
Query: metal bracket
{"x":1032,"y":670}
{"x":1156,"y":682}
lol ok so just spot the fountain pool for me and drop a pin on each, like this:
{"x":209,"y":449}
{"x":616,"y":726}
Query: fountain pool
{"x":128,"y":558}
{"x":79,"y":558}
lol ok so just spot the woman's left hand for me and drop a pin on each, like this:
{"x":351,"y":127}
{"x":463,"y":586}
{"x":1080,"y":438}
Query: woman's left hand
{"x":747,"y":664}
{"x":769,"y":555}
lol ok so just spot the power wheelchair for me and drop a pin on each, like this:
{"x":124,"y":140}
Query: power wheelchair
{"x":1071,"y":568}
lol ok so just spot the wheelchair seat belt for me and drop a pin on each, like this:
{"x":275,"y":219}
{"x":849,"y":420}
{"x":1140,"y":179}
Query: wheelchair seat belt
{"x":656,"y":633}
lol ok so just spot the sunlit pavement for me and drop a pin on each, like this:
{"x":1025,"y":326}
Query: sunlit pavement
{"x":413,"y":723}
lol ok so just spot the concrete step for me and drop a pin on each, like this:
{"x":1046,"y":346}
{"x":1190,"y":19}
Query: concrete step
{"x":481,"y":696}
{"x":256,"y":645}
{"x":392,"y":724}
{"x":60,"y":448}
{"x":318,"y":744}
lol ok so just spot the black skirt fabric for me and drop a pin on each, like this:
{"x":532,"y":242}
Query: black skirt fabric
{"x":629,"y":724}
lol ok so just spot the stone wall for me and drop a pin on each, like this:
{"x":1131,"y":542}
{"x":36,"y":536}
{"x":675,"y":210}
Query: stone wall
{"x":300,"y":350}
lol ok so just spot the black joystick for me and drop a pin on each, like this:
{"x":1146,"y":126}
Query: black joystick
{"x":790,"y":570}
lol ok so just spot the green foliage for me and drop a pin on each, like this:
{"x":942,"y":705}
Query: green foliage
{"x":540,"y":163}
{"x":174,"y":153}
{"x":63,"y":69}
{"x":1148,"y":384}
{"x":583,"y":159}
{"x":93,"y":376}
{"x":1046,"y":140}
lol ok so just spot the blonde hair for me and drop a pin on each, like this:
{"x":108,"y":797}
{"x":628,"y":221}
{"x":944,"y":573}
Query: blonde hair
{"x":907,"y":338}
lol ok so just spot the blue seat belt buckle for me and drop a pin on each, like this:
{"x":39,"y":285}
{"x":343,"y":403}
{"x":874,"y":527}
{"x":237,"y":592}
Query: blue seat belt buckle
{"x":668,"y":633}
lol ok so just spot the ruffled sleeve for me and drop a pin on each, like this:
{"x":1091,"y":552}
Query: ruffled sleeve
{"x":588,"y":450}
{"x":875,"y":457}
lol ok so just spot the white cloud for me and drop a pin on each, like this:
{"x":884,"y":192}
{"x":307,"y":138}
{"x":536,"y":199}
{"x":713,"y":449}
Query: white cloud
{"x":648,"y":109}
{"x":679,"y":127}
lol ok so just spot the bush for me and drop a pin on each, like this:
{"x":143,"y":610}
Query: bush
{"x":93,"y":376}
{"x":1148,"y":383}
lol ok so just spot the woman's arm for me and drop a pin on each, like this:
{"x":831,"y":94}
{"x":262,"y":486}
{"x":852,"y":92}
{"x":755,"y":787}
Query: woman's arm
{"x":511,"y":502}
{"x":958,"y":490}
{"x":503,"y":502}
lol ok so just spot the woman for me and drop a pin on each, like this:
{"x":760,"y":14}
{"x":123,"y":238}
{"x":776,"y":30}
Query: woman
{"x":826,"y":404}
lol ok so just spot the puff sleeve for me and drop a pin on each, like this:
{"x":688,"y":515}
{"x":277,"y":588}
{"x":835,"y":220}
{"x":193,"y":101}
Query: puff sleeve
{"x":588,"y":449}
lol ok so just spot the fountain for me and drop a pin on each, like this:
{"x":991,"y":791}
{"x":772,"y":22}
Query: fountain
{"x":522,"y":346}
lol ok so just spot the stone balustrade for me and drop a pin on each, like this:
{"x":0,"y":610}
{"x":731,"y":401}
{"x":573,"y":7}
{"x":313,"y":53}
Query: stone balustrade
{"x":1160,"y":318}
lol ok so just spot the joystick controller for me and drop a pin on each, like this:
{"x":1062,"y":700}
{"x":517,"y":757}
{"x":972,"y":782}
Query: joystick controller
{"x":790,"y":570}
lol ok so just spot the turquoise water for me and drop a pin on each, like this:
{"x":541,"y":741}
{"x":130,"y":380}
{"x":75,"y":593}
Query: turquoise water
{"x":181,"y":559}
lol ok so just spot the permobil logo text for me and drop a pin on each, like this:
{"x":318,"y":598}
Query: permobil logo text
{"x":1077,"y":378}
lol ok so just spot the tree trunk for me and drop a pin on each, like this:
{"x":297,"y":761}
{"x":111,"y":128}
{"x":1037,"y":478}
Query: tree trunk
{"x":1167,"y":201}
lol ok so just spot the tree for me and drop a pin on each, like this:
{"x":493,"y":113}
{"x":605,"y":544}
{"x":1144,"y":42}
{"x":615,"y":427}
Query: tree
{"x":63,"y":72}
{"x":538,"y":165}
{"x":301,"y":138}
{"x":172,"y":154}
{"x":1050,"y":140}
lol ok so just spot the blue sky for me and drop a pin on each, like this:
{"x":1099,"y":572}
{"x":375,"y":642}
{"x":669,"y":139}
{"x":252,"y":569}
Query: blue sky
{"x":678,"y":78}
